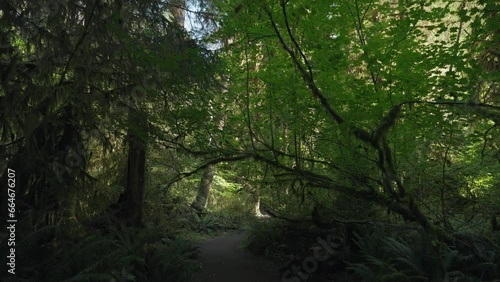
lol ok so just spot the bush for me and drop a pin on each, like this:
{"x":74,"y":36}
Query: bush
{"x":416,"y":257}
{"x":124,"y":254}
{"x":265,"y":236}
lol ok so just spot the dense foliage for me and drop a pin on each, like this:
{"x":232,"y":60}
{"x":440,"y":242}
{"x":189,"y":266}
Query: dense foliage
{"x":132,"y":125}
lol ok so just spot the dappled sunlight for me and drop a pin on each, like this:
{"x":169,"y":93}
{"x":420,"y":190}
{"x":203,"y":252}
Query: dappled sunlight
{"x":229,"y":140}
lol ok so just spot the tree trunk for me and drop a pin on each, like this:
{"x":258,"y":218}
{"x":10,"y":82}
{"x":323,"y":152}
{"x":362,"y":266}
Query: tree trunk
{"x":178,"y":11}
{"x":132,"y":200}
{"x":134,"y":194}
{"x":258,"y":213}
{"x":200,"y":203}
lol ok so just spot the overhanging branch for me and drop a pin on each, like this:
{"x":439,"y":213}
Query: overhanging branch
{"x":305,"y":75}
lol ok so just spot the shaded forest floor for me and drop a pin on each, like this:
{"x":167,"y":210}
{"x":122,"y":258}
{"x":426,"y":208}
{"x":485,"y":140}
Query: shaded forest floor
{"x":236,"y":256}
{"x":223,"y":260}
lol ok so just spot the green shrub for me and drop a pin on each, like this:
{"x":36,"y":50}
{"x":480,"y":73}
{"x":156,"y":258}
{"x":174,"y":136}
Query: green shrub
{"x":171,"y":260}
{"x":264,"y":236}
{"x":125,"y":254}
{"x":417,"y":258}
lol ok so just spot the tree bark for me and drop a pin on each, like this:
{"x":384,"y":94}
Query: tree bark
{"x":134,"y":194}
{"x":132,"y":200}
{"x":200,"y":203}
{"x":258,"y":213}
{"x":178,"y":11}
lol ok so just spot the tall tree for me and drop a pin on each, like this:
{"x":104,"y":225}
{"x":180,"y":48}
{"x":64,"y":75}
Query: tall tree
{"x":201,"y":200}
{"x":343,"y":98}
{"x":86,"y":86}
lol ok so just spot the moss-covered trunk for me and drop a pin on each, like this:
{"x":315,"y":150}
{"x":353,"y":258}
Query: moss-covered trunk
{"x":200,"y":203}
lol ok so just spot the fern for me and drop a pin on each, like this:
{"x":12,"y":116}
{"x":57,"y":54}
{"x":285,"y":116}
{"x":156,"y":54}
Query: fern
{"x":27,"y":247}
{"x":91,"y":277}
{"x":172,"y":260}
{"x":15,"y":279}
{"x":404,"y":255}
{"x":203,"y":223}
{"x":362,"y":270}
{"x":125,"y":254}
{"x":390,"y":259}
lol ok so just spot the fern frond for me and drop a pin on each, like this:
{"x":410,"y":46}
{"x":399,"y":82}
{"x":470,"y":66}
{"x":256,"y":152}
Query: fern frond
{"x":91,"y":277}
{"x":362,"y":270}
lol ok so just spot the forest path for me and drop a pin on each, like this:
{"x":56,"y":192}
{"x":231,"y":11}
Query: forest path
{"x":224,"y":261}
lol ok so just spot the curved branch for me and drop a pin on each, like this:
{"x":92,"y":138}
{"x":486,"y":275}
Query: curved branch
{"x":290,"y":34}
{"x":183,"y":175}
{"x":486,"y":141}
{"x":305,"y":75}
{"x":452,"y":103}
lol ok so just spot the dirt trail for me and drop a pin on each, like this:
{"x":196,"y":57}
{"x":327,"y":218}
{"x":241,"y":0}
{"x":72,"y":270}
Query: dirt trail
{"x":224,"y":261}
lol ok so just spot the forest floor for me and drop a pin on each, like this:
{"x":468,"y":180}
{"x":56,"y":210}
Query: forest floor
{"x":223,"y":260}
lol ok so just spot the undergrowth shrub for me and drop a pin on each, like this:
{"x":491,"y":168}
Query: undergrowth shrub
{"x":171,"y":260}
{"x":414,"y":257}
{"x":227,"y":221}
{"x":264,"y":236}
{"x":123,"y":254}
{"x":209,"y":223}
{"x":204,"y":223}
